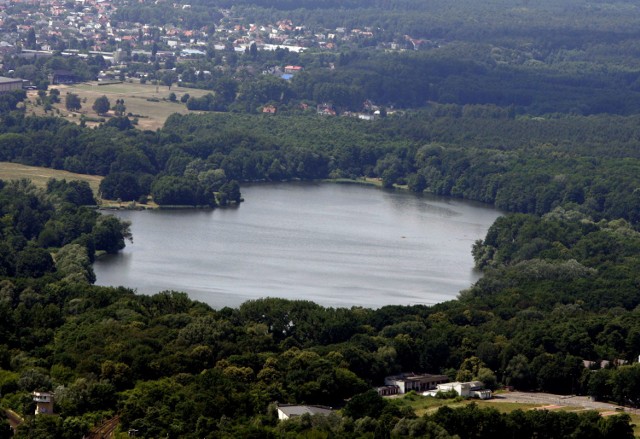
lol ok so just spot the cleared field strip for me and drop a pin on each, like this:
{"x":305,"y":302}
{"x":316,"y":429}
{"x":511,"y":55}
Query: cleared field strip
{"x":40,"y":176}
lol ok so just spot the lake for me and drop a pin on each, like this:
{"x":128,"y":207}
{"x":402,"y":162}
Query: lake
{"x":334,"y":244}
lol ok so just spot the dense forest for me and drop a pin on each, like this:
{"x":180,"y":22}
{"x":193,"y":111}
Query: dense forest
{"x":520,"y":164}
{"x":558,"y":289}
{"x":560,"y":282}
{"x":533,"y":107}
{"x":460,"y":72}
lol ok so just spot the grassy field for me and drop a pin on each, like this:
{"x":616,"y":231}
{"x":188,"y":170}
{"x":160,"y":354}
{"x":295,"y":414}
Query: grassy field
{"x":423,"y":405}
{"x":635,"y":419}
{"x":40,"y":176}
{"x":149,"y":102}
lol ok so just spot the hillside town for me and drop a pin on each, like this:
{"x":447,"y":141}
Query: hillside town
{"x":83,"y":27}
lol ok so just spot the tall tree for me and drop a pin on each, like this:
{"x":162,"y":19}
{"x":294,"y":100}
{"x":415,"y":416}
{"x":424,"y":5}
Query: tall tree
{"x":101,"y":105}
{"x":72,"y":102}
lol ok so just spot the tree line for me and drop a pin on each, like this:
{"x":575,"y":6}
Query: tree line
{"x":557,"y":290}
{"x":477,"y":152}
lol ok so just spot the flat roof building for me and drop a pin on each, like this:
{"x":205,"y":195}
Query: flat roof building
{"x":471,"y":389}
{"x":409,"y":381}
{"x":288,"y":411}
{"x":10,"y":84}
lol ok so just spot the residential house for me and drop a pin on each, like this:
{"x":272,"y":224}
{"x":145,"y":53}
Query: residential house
{"x":269,"y":109}
{"x":293,"y":69}
{"x":326,"y":110}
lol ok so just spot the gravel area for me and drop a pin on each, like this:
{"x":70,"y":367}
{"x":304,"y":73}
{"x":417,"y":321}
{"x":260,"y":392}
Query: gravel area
{"x":561,"y":400}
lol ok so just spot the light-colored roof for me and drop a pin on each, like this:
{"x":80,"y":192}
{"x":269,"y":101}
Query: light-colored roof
{"x":4,"y":79}
{"x":410,"y":376}
{"x":298,"y":410}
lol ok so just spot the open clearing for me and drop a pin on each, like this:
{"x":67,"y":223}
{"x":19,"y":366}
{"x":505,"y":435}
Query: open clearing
{"x":510,"y":401}
{"x":40,"y":176}
{"x":149,"y":103}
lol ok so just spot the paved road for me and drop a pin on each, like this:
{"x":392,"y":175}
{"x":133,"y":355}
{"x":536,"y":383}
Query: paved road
{"x":563,"y":400}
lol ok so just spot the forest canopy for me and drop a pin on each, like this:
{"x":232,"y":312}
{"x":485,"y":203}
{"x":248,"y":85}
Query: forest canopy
{"x":533,"y":107}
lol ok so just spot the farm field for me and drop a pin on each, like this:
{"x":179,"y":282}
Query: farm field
{"x":40,"y":176}
{"x":149,"y":103}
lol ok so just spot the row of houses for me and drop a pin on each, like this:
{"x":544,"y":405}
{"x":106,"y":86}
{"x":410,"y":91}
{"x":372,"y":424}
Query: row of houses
{"x":90,"y":25}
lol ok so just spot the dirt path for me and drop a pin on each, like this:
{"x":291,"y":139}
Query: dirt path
{"x":14,"y":419}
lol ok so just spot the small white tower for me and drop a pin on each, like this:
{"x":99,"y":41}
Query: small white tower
{"x":44,"y":403}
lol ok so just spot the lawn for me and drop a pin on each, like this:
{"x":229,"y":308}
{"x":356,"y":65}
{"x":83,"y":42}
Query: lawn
{"x":635,"y":419}
{"x":423,"y":404}
{"x":149,"y":102}
{"x":40,"y":176}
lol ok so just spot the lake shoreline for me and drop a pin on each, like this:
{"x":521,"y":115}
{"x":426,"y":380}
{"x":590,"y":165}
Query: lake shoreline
{"x":339,"y":245}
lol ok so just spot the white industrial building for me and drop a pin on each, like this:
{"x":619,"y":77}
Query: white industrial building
{"x":471,"y":389}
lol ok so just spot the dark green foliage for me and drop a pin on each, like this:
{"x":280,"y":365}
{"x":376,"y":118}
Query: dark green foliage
{"x":474,"y":422}
{"x":120,"y":123}
{"x":9,"y":101}
{"x":72,"y":102}
{"x":110,"y":233}
{"x":76,"y":192}
{"x":417,"y":182}
{"x":180,"y":191}
{"x":229,"y":193}
{"x":119,"y":108}
{"x":36,"y":222}
{"x":561,"y":276}
{"x":121,"y":185}
{"x":33,"y":262}
{"x":101,"y":105}
{"x":365,"y":404}
{"x":41,"y":427}
{"x":5,"y":429}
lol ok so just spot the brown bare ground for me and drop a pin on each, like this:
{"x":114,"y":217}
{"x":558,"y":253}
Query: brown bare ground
{"x":149,"y":102}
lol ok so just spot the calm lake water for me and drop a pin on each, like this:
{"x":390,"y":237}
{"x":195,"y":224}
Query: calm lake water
{"x":336,"y":245}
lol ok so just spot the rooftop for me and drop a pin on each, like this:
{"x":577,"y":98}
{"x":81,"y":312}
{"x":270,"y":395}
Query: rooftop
{"x":298,"y":410}
{"x":410,"y":376}
{"x":4,"y":79}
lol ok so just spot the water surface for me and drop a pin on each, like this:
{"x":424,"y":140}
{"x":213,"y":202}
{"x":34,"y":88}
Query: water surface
{"x":336,"y":245}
